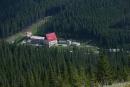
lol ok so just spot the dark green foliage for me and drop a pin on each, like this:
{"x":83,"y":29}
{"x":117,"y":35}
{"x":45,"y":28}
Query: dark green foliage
{"x":16,"y":15}
{"x":27,"y":66}
{"x":106,"y":22}
{"x":103,"y":21}
{"x":104,"y":71}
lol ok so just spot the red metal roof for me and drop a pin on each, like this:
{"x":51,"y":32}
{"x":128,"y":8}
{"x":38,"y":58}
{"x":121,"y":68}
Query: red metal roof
{"x":51,"y":36}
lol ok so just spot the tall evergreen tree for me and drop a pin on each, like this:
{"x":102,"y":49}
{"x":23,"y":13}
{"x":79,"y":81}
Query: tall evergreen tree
{"x":104,"y":73}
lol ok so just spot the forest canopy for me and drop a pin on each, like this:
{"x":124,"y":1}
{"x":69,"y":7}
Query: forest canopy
{"x":28,"y":66}
{"x":106,"y":22}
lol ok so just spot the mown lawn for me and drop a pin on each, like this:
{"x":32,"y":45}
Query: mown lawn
{"x":32,"y":28}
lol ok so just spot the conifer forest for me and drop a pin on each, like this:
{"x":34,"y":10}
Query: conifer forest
{"x":27,"y":66}
{"x":103,"y":23}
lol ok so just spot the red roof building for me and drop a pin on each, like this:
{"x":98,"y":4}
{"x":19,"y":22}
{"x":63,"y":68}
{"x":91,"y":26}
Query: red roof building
{"x":51,"y":37}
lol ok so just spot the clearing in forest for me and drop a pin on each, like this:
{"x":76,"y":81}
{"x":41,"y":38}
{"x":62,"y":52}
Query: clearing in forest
{"x":32,"y":28}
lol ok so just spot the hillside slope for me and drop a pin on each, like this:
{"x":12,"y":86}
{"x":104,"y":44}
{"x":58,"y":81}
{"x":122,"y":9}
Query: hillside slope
{"x":104,"y":22}
{"x":32,"y":28}
{"x":15,"y":15}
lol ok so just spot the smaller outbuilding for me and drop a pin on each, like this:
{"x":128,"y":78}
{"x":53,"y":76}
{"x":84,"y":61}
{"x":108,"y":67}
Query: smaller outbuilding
{"x":49,"y":40}
{"x":75,"y":44}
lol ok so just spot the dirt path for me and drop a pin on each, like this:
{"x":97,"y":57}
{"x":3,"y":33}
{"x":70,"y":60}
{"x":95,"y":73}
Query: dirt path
{"x":32,"y":28}
{"x":119,"y":85}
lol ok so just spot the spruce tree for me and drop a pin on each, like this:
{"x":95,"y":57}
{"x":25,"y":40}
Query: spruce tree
{"x":104,"y":74}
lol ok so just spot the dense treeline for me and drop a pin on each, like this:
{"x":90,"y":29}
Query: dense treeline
{"x":104,"y":21}
{"x":27,"y":66}
{"x":16,"y":15}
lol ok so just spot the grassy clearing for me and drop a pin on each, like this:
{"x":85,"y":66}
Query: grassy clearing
{"x":32,"y":28}
{"x":126,"y":84}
